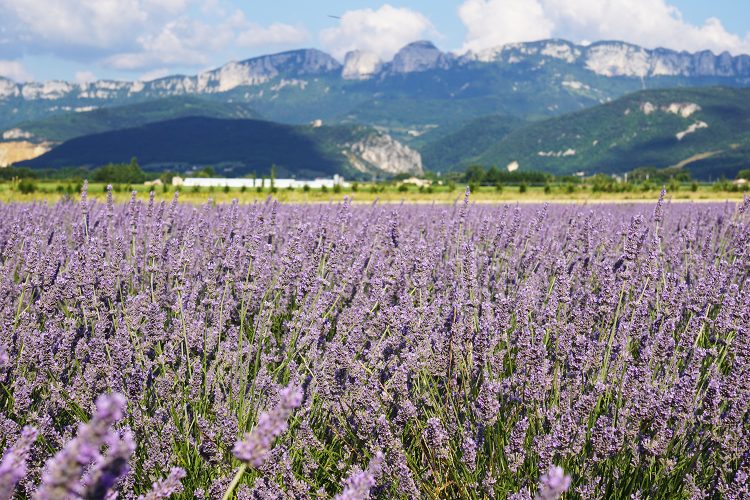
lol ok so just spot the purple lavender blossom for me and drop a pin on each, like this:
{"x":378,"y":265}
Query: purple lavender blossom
{"x":357,"y":486}
{"x":166,"y":487}
{"x":553,"y":484}
{"x":13,"y":466}
{"x":62,"y":474}
{"x":436,"y":438}
{"x":253,"y":449}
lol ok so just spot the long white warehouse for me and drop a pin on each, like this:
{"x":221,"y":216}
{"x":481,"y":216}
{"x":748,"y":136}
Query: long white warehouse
{"x":253,"y":183}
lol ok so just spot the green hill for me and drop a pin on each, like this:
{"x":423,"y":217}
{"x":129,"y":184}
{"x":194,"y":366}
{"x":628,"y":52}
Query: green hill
{"x":466,"y":144}
{"x":235,"y":148}
{"x":62,"y":127}
{"x":706,"y":131}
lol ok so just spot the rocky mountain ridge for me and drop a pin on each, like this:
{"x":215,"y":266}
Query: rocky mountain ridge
{"x":606,"y":58}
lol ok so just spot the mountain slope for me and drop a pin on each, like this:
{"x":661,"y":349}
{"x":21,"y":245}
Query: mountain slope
{"x":239,"y":147}
{"x":464,"y":146}
{"x":421,"y":88}
{"x":60,"y":128}
{"x":706,"y":131}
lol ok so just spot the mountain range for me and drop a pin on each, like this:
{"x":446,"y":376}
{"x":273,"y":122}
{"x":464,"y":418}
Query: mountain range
{"x":544,"y":78}
{"x":420,"y":98}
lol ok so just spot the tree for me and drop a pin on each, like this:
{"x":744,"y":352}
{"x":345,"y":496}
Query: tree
{"x":744,"y":174}
{"x":474,"y":174}
{"x":166,"y":177}
{"x":206,"y":172}
{"x":492,"y":176}
{"x":120,"y":173}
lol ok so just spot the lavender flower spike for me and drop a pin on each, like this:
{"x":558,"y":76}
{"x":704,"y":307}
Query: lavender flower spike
{"x":111,"y":468}
{"x":359,"y":482}
{"x":254,"y":448}
{"x":553,"y":484}
{"x":166,"y":487}
{"x":13,"y":465}
{"x":62,"y":475}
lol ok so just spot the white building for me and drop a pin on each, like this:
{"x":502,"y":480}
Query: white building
{"x":416,"y":181}
{"x":254,"y":183}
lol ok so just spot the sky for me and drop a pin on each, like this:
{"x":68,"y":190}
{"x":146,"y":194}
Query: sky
{"x":85,"y":40}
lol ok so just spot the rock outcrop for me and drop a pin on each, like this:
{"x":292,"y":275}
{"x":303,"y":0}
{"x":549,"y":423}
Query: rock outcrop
{"x":381,"y":153}
{"x":16,"y":151}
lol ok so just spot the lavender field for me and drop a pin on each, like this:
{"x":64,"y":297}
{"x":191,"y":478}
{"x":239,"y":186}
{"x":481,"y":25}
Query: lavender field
{"x":154,"y":350}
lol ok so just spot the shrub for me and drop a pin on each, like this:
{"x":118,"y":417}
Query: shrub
{"x":27,"y":186}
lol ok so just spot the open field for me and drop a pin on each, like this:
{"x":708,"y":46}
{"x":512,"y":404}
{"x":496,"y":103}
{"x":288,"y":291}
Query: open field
{"x":53,"y":191}
{"x":405,"y":351}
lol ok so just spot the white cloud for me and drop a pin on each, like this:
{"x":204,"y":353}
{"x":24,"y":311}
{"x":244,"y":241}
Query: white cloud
{"x":134,"y":35}
{"x":84,"y":23}
{"x":15,"y":71}
{"x":178,"y":42}
{"x":383,"y":31}
{"x":154,"y":74}
{"x":85,"y":77}
{"x":651,"y":23}
{"x":275,"y":34}
{"x":490,"y":23}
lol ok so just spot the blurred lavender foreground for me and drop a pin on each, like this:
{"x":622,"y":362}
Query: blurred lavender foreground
{"x":164,"y":350}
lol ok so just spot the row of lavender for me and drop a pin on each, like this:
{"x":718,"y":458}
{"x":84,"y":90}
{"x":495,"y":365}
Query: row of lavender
{"x":468,"y":351}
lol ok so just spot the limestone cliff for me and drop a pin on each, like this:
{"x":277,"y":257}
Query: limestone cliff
{"x":15,"y":151}
{"x":381,"y":153}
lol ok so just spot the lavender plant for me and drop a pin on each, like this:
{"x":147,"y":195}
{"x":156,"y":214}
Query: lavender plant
{"x":154,"y":350}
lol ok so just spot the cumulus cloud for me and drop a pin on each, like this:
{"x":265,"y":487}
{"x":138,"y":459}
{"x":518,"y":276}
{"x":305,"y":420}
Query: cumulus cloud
{"x":14,"y":70}
{"x":154,"y":74}
{"x":94,"y":24}
{"x":651,"y":23}
{"x":134,"y":35}
{"x":275,"y":34}
{"x":85,"y":77}
{"x":383,"y":31}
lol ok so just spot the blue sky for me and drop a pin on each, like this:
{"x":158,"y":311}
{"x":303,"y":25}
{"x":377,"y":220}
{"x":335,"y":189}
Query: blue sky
{"x":143,"y":39}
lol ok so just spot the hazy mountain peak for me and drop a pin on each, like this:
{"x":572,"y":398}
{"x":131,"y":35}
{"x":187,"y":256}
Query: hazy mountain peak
{"x":418,"y":56}
{"x":8,"y":88}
